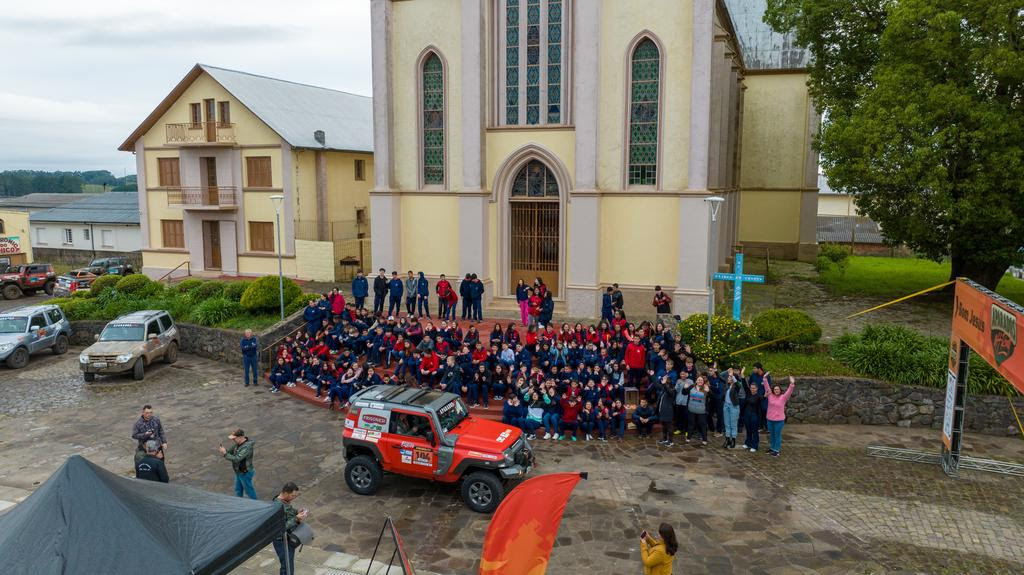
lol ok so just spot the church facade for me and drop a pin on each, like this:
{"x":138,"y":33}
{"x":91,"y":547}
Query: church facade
{"x":577,"y":141}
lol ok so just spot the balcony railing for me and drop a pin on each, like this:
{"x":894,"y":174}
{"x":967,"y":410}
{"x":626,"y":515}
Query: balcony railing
{"x":201,"y":133}
{"x":212,"y":197}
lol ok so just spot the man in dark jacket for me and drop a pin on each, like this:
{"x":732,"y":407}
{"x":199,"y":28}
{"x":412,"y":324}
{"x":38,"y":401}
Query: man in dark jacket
{"x":466,"y":292}
{"x":380,"y":291}
{"x":478,"y":299}
{"x":360,"y":288}
{"x":250,"y":358}
{"x":147,"y":427}
{"x":285,"y":550}
{"x":617,"y":301}
{"x":151,"y":467}
{"x":606,"y":305}
{"x":423,"y":296}
{"x":240,"y":455}
{"x":643,"y":418}
{"x":395,"y":289}
{"x":666,"y":409}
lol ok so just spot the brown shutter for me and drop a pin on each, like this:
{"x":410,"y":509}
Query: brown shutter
{"x":258,"y":172}
{"x":261,"y":236}
{"x":225,"y":112}
{"x":174,"y":233}
{"x":170,"y":174}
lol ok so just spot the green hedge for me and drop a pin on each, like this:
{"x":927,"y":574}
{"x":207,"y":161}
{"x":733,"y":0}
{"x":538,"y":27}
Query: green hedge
{"x":899,"y":355}
{"x":138,"y":286}
{"x":215,"y":310}
{"x":234,"y":290}
{"x":264,"y":295}
{"x":102,"y":284}
{"x":791,"y":327}
{"x":186,"y":286}
{"x":727,"y":336}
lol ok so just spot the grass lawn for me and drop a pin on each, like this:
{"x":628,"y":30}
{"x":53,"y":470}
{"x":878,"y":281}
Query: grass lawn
{"x":784,"y":363}
{"x":895,"y":277}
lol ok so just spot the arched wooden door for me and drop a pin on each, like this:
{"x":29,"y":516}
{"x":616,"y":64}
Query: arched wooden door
{"x":534,"y":226}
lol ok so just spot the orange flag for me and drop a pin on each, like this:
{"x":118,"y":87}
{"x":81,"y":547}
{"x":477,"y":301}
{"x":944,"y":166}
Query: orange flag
{"x":523,"y":529}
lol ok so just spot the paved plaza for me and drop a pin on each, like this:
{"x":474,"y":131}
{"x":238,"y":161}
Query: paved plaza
{"x":823,"y":507}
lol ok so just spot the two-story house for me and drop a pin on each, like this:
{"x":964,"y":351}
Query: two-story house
{"x":227,"y":153}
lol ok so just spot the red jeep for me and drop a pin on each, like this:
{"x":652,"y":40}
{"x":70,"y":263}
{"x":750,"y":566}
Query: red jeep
{"x":27,"y":279}
{"x":431,"y":435}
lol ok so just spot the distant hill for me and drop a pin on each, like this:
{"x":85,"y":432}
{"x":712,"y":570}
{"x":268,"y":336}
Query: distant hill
{"x":23,"y":182}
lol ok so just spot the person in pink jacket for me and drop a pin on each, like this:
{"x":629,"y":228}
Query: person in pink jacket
{"x":777,"y":415}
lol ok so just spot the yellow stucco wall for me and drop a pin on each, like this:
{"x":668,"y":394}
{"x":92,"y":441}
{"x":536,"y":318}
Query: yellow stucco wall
{"x":836,"y":205}
{"x":16,"y":224}
{"x":639,"y":242}
{"x":417,"y":25}
{"x":248,"y":128}
{"x":503,"y":143}
{"x":775,"y":131}
{"x":671,"y":21}
{"x":429,"y":234}
{"x":769,"y":216}
{"x":163,"y":260}
{"x":265,"y":266}
{"x":344,"y":193}
{"x":314,"y":260}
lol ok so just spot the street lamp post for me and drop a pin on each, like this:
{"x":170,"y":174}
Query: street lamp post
{"x":714,"y":203}
{"x":278,"y":199}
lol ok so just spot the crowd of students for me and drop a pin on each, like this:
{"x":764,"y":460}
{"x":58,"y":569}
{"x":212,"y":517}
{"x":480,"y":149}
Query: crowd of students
{"x":568,"y":380}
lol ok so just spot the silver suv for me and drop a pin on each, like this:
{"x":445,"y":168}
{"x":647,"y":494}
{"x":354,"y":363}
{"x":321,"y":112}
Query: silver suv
{"x":131,"y":343}
{"x":30,"y":329}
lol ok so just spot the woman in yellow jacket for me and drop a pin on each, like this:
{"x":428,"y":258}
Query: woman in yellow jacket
{"x":658,"y":554}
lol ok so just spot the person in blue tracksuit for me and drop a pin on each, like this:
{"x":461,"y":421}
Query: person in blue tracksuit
{"x":395,"y":289}
{"x":466,"y":292}
{"x":313,"y":316}
{"x":606,"y":305}
{"x":547,"y":309}
{"x":380,"y":291}
{"x":423,"y":296}
{"x":360,"y":289}
{"x":250,"y":358}
{"x":478,"y":299}
{"x":280,"y":375}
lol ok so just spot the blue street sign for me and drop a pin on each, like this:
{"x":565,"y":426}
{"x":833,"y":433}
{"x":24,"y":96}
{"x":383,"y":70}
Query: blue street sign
{"x":738,"y":278}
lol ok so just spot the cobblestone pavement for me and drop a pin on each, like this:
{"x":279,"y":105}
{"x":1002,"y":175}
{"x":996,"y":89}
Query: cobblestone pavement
{"x":823,"y":507}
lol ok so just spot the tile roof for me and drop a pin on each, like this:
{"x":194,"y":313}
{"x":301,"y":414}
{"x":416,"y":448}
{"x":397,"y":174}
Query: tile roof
{"x":846,"y":229}
{"x":108,"y":208}
{"x":39,"y":201}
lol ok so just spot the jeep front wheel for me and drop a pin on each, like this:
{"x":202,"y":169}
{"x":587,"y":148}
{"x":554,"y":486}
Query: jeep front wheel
{"x":139,"y":369}
{"x":363,"y":475}
{"x":48,"y":287}
{"x":12,"y":291}
{"x":18,"y":358}
{"x":482,"y":491}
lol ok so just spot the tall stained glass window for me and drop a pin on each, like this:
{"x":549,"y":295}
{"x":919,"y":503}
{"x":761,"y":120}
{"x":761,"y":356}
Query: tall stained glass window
{"x":433,"y":121}
{"x":533,"y":60}
{"x":645,"y":77}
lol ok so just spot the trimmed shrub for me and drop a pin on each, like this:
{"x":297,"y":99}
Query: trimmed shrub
{"x":77,"y":309}
{"x":899,"y":355}
{"x":727,"y":336}
{"x":822,"y":264}
{"x":262,"y":294}
{"x":835,"y":255}
{"x":299,"y":302}
{"x":186,"y":286}
{"x":102,"y":284}
{"x":215,"y":310}
{"x":234,"y":290}
{"x":137,"y":286}
{"x":208,"y":290}
{"x":791,"y":326}
{"x":81,"y":294}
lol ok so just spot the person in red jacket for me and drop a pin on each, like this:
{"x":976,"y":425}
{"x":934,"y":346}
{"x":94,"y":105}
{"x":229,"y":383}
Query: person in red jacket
{"x":570,"y":415}
{"x":429,"y":365}
{"x":442,"y":287}
{"x":533,"y":307}
{"x":635,"y":360}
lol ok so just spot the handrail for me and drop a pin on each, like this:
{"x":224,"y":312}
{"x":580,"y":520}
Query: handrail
{"x":203,"y":196}
{"x":188,"y":270}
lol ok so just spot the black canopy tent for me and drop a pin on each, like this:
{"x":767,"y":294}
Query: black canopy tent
{"x":87,"y":520}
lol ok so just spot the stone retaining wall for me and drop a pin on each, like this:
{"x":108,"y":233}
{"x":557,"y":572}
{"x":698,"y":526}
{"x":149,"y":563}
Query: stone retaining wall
{"x":869,"y":402}
{"x":211,"y":343}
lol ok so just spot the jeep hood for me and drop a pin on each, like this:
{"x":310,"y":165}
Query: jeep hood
{"x":483,"y":435}
{"x":12,"y":338}
{"x":113,"y":347}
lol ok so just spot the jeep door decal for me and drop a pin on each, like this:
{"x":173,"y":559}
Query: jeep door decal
{"x":374,"y":419}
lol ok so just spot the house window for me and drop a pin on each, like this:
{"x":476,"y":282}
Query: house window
{"x":173,"y":233}
{"x":197,"y":114}
{"x":69,"y":237}
{"x":532,"y":61}
{"x":360,"y":170}
{"x":261,"y":236}
{"x":170,"y":172}
{"x":257,"y":169}
{"x":107,"y":238}
{"x":433,"y":120}
{"x":85,"y":234}
{"x":41,"y":236}
{"x":644,"y":90}
{"x":224,"y":109}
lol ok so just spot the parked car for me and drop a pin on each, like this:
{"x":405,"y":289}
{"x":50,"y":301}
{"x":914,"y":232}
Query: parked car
{"x":132,"y":343}
{"x":73,"y":281}
{"x":431,"y":435}
{"x":116,"y":266}
{"x":27,"y":279}
{"x":31,"y":329}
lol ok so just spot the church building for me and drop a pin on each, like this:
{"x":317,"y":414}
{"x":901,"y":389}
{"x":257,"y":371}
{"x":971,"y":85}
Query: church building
{"x":578,"y":141}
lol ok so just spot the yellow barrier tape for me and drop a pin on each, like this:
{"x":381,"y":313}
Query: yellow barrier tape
{"x":851,"y":316}
{"x":1014,"y":410}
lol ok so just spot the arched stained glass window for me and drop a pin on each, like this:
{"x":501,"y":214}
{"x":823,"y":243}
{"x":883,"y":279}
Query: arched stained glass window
{"x":532,"y":88}
{"x":433,"y":120}
{"x":535,"y":180}
{"x":645,"y":79}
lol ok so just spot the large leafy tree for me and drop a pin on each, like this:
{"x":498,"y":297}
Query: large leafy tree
{"x":925,"y":119}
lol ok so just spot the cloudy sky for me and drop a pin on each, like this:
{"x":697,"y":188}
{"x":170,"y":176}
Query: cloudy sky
{"x":78,"y":77}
